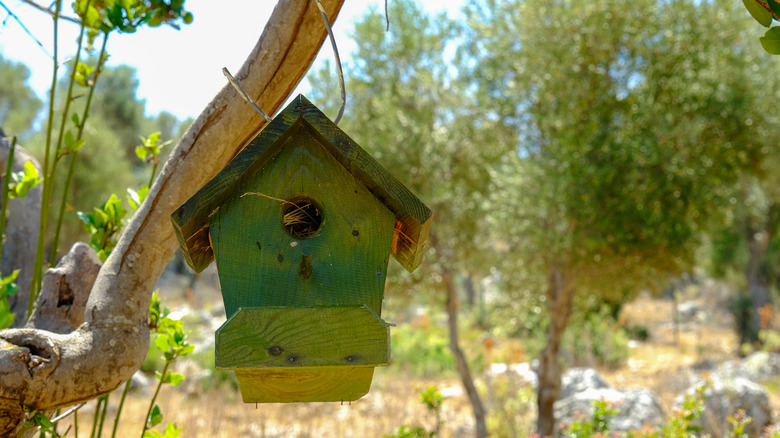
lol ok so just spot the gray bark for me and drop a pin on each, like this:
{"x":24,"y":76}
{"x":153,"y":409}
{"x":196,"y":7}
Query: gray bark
{"x":18,"y":253}
{"x":460,"y":359}
{"x":560,"y":301}
{"x":44,"y":370}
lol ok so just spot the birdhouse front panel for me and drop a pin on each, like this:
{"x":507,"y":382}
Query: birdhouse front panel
{"x":302,"y":223}
{"x":302,"y":232}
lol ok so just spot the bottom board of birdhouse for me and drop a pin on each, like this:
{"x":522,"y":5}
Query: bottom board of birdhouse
{"x":304,"y":384}
{"x":303,"y":354}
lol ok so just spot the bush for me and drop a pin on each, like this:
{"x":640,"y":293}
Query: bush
{"x":593,"y":338}
{"x":422,"y":352}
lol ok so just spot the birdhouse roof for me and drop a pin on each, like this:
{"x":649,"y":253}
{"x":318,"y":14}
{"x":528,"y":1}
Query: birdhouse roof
{"x":413,"y":218}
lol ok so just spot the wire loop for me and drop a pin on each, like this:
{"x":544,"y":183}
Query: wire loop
{"x":338,"y":61}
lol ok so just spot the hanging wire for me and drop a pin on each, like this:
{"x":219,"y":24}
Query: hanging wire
{"x":249,"y":100}
{"x":387,"y":18}
{"x":338,"y":61}
{"x":243,"y":93}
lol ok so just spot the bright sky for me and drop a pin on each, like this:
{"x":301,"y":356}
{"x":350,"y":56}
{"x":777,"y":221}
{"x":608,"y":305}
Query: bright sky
{"x":178,"y":71}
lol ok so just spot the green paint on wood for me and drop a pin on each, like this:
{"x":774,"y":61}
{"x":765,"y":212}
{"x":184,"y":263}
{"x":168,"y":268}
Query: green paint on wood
{"x":412,"y":217}
{"x":259,"y":261}
{"x":302,"y":223}
{"x":304,"y":384}
{"x":303,"y":337}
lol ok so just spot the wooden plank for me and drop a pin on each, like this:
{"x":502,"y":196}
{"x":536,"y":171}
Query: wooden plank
{"x":305,"y":384}
{"x":303,"y":337}
{"x":259,"y":261}
{"x":413,"y":216}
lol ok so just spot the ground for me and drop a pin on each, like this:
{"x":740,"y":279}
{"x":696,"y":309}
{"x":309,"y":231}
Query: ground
{"x":666,"y":363}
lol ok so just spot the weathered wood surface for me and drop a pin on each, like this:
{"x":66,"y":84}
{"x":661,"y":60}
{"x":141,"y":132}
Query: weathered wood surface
{"x":113,"y":341}
{"x":258,"y":260}
{"x":413,"y":218}
{"x":304,"y":384}
{"x":303,"y":337}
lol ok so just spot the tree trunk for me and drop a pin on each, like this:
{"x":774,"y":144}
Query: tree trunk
{"x":460,"y":359}
{"x":560,"y":301}
{"x":43,"y":370}
{"x":758,"y":284}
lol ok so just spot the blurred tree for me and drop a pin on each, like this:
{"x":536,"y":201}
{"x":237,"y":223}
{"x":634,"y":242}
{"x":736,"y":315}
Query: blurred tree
{"x":116,"y":100}
{"x":631,"y":123}
{"x":19,"y":105}
{"x":107,"y":163}
{"x":404,"y":108}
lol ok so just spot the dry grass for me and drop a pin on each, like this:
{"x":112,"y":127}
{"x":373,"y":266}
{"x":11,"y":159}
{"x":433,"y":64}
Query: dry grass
{"x":391,"y":402}
{"x":666,"y":363}
{"x":674,"y":355}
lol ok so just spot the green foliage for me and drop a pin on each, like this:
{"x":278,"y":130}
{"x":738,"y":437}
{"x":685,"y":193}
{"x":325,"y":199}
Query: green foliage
{"x":7,"y":288}
{"x":512,"y":402}
{"x":103,"y":225}
{"x":170,"y":431}
{"x":593,"y":336}
{"x":17,"y":100}
{"x":128,"y":16}
{"x":598,"y":426}
{"x":171,"y":339}
{"x":19,"y":105}
{"x":42,"y":422}
{"x":765,"y":11}
{"x":421,"y":351}
{"x":23,"y":181}
{"x":432,"y":399}
{"x":149,"y":150}
{"x":171,"y":342}
{"x":136,"y":198}
{"x":680,"y":424}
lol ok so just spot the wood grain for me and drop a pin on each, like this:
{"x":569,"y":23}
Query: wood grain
{"x":303,"y":337}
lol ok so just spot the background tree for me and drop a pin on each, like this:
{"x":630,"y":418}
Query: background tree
{"x":630,"y":126}
{"x":406,"y":110}
{"x":19,"y":105}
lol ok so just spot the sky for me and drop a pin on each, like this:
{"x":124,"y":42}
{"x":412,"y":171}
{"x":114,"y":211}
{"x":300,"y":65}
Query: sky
{"x":179,"y":71}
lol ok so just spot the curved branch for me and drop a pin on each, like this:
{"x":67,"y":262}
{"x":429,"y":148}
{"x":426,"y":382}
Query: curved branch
{"x":112,"y":342}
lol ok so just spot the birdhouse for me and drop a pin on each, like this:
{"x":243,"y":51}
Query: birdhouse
{"x":301,"y":224}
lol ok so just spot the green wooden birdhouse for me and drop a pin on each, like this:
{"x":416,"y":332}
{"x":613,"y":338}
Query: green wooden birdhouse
{"x":302,"y":223}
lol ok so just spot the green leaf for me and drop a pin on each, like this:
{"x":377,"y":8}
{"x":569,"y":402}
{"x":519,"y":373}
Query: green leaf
{"x":156,"y":416}
{"x":162,"y":343}
{"x":23,"y":181}
{"x":140,"y":152}
{"x":172,"y":431}
{"x":75,"y":119}
{"x":136,"y":198}
{"x":758,"y":12}
{"x":71,"y":144}
{"x":771,"y":40}
{"x":774,"y":6}
{"x":174,"y":379}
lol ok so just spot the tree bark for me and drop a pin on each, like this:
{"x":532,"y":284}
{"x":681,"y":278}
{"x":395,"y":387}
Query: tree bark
{"x":757,"y":283}
{"x":43,"y":370}
{"x":460,"y":359}
{"x":560,"y":301}
{"x":18,"y":253}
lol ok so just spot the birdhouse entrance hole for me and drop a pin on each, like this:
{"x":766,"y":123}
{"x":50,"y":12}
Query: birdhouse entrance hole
{"x":301,"y":216}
